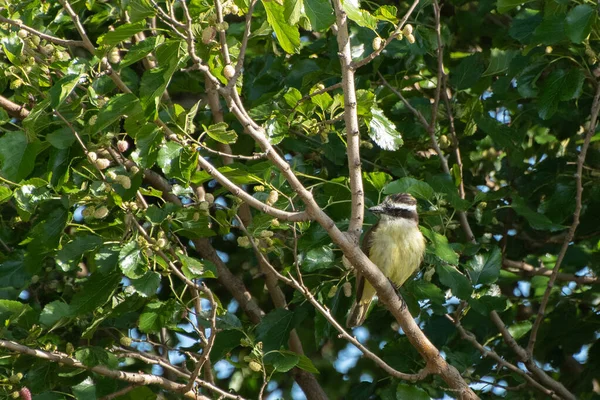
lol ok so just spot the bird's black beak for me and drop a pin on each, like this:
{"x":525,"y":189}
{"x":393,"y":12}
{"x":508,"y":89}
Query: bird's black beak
{"x":378,"y":209}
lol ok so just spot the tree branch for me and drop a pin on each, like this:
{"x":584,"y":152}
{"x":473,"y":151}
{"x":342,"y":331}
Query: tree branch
{"x":578,"y":204}
{"x":351,"y":122}
{"x":132,"y":377}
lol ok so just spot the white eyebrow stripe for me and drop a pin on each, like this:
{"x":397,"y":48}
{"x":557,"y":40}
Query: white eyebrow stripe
{"x":407,"y":207}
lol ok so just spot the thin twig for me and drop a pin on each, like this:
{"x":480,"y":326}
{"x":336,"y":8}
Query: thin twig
{"x":578,"y":205}
{"x":541,"y":376}
{"x":375,"y":53}
{"x":49,"y":38}
{"x":132,"y":377}
{"x":523,"y":268}
{"x":485,"y":352}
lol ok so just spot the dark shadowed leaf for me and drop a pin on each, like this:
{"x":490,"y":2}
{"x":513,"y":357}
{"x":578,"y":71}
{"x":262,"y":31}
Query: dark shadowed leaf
{"x":274,"y":329}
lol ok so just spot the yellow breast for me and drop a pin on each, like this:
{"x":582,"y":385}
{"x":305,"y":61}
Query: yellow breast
{"x":397,"y":248}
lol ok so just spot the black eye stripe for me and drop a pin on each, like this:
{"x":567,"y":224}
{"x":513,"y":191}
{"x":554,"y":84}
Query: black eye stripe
{"x":402,"y":213}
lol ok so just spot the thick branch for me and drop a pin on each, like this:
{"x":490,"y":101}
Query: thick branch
{"x":351,"y":122}
{"x":13,"y":109}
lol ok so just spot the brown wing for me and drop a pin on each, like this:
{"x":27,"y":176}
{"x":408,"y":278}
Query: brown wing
{"x":366,"y":248}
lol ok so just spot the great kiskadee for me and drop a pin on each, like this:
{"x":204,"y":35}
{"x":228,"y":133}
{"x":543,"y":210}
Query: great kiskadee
{"x":395,"y":244}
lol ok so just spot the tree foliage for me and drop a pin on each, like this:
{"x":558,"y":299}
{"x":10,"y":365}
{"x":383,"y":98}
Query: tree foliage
{"x":183,"y":184}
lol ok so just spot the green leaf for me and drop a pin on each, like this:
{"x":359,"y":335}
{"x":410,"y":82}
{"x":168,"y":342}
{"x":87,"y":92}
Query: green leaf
{"x":306,"y":364}
{"x":69,"y":256}
{"x":54,"y":312}
{"x":551,"y":30}
{"x":147,"y":285}
{"x":441,"y":248}
{"x":466,"y":74}
{"x":536,"y":220}
{"x":579,"y":22}
{"x":523,"y":27}
{"x":419,"y":189}
{"x":499,"y":61}
{"x":559,"y":86}
{"x":193,"y":268}
{"x":177,"y":162}
{"x":5,"y":194}
{"x":443,"y":183}
{"x":387,"y":13}
{"x":117,"y":107}
{"x":361,"y":17}
{"x":147,"y":141}
{"x":287,"y":35}
{"x":317,"y":258}
{"x":452,"y":278}
{"x":13,"y":273}
{"x":292,"y":11}
{"x":94,"y":293}
{"x":17,"y":155}
{"x":379,"y":180}
{"x":320,"y":14}
{"x":12,"y":47}
{"x":11,"y":310}
{"x":485,"y":268}
{"x":140,"y":10}
{"x":155,"y":81}
{"x":141,"y":49}
{"x":158,"y":315}
{"x":63,"y":89}
{"x":282,"y":361}
{"x":62,"y":138}
{"x":131,"y":260}
{"x":383,"y":131}
{"x":220,"y":133}
{"x":520,"y":329}
{"x":93,"y":355}
{"x":191,"y":226}
{"x":410,"y":392}
{"x":484,"y":305}
{"x":274,"y":329}
{"x":121,"y":33}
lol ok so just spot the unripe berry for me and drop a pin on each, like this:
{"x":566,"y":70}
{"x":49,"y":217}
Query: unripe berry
{"x":254,"y":366}
{"x":161,"y":243}
{"x":208,"y":34}
{"x":122,"y":145}
{"x":35,"y":40}
{"x":22,"y":33}
{"x":16,"y":378}
{"x":102,"y":163}
{"x":407,"y":29}
{"x":347,"y":289}
{"x":273,"y":197}
{"x":111,"y":175}
{"x":228,"y":71}
{"x":411,"y":39}
{"x":125,"y":341}
{"x":114,"y":57}
{"x":210,"y":198}
{"x":332,"y":292}
{"x":123,"y":181}
{"x":101,"y":212}
{"x":88,"y":212}
{"x":377,"y":43}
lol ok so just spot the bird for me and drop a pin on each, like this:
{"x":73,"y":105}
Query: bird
{"x":394,"y":244}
